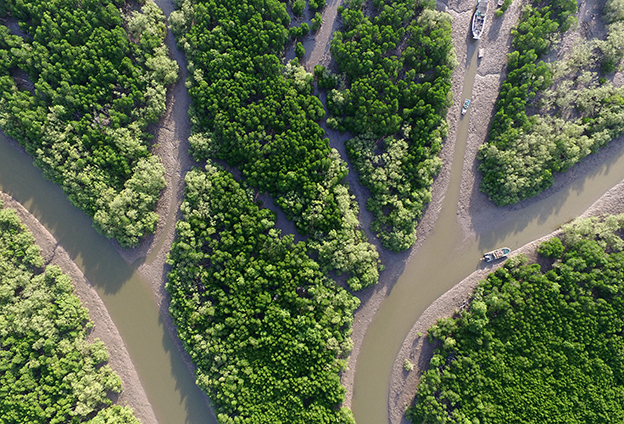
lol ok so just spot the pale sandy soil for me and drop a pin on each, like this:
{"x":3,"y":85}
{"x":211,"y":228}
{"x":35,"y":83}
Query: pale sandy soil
{"x":104,"y":329}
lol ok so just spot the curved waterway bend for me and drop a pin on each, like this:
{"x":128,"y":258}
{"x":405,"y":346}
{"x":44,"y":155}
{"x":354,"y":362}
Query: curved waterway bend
{"x":447,"y":257}
{"x":130,"y":301}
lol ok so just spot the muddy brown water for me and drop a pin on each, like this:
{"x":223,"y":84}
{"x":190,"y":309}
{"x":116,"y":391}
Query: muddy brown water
{"x":447,"y":257}
{"x":130,"y":301}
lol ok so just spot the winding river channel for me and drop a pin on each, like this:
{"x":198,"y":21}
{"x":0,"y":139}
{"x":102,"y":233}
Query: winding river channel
{"x":129,"y":299}
{"x":446,"y":257}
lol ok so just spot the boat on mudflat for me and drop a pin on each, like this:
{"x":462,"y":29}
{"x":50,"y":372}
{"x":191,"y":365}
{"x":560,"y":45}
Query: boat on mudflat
{"x":495,"y":255}
{"x":478,"y":19}
{"x":465,"y":106}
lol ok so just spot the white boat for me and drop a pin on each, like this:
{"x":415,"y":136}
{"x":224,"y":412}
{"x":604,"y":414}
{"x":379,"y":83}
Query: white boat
{"x":465,"y":106}
{"x":478,"y":19}
{"x":495,"y":255}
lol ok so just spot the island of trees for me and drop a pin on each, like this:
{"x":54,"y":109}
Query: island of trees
{"x":269,"y":332}
{"x":49,"y":372}
{"x":398,"y":66}
{"x":539,"y":342}
{"x":259,"y":116}
{"x":550,"y":116}
{"x":79,"y":84}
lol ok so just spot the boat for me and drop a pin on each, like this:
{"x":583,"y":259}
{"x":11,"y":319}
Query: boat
{"x":478,"y":19}
{"x":465,"y":107}
{"x":495,"y":255}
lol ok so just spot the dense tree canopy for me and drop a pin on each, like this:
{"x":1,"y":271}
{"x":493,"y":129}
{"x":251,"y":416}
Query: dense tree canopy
{"x":577,"y":110}
{"x":260,"y":116}
{"x":49,"y":373}
{"x":398,"y":66}
{"x":77,"y":89}
{"x":537,"y":346}
{"x":267,"y":330}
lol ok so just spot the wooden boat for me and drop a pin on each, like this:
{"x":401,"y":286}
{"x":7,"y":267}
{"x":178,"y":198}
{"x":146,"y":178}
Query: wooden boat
{"x":465,"y":107}
{"x":495,"y":255}
{"x":478,"y":19}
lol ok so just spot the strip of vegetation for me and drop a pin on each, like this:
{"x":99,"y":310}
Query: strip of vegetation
{"x":398,"y":67}
{"x":536,"y":347}
{"x":78,"y":91}
{"x":578,"y":114}
{"x":267,"y":330}
{"x":49,"y":373}
{"x":503,"y":8}
{"x":260,"y":116}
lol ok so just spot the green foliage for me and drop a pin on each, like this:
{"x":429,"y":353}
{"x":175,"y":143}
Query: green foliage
{"x":324,"y":77}
{"x":267,"y":330}
{"x":115,"y":415}
{"x":602,"y":231}
{"x":611,"y":48}
{"x":398,"y":64}
{"x":534,"y":347}
{"x":524,"y":152}
{"x":316,"y":5}
{"x":552,"y":248}
{"x":298,"y":7}
{"x":299,"y":50}
{"x":300,"y":31}
{"x":408,"y":366}
{"x":614,"y":11}
{"x":397,"y":198}
{"x":259,"y":115}
{"x":49,"y":373}
{"x":503,"y":8}
{"x":317,"y":21}
{"x":78,"y":94}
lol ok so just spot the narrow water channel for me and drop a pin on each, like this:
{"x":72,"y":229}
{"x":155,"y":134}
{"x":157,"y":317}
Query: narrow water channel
{"x":446,"y":258}
{"x":130,"y":301}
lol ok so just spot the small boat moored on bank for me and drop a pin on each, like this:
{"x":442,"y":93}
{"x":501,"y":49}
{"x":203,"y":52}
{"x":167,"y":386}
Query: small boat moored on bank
{"x":478,"y":19}
{"x":465,"y":107}
{"x":495,"y":255}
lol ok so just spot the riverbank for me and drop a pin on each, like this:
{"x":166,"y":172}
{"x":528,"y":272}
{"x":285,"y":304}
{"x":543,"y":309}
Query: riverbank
{"x":461,"y":12}
{"x":479,"y":218}
{"x":104,"y":329}
{"x":171,"y":145}
{"x":417,"y":349}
